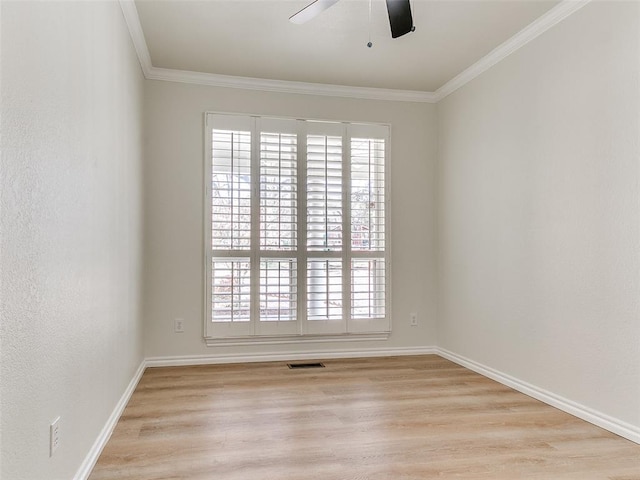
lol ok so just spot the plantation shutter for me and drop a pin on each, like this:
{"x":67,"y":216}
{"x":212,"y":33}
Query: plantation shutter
{"x":296,"y":238}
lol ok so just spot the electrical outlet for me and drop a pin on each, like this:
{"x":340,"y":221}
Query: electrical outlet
{"x":54,"y":436}
{"x":178,"y":325}
{"x":413,"y":319}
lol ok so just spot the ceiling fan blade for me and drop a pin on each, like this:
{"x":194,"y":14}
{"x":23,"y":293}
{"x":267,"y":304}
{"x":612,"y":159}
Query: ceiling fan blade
{"x":400,"y":17}
{"x":311,"y":10}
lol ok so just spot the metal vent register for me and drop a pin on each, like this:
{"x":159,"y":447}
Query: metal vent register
{"x":305,"y":365}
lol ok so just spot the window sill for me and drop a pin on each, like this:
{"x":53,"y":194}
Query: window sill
{"x":298,"y":339}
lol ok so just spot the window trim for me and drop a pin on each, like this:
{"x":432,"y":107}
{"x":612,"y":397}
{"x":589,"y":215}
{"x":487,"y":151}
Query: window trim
{"x":353,"y":329}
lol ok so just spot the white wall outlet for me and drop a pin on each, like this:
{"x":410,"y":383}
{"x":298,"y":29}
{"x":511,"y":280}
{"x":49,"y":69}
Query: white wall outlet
{"x":413,"y":319}
{"x":178,"y":325}
{"x":54,"y":436}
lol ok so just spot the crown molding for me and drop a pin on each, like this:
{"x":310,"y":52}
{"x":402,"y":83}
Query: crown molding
{"x":130,"y":13}
{"x":283,"y":86}
{"x":520,"y":39}
{"x":132,"y":19}
{"x":530,"y":32}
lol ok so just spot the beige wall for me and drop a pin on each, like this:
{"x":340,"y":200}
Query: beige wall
{"x":538,"y":213}
{"x":173,"y":210}
{"x":70,"y":223}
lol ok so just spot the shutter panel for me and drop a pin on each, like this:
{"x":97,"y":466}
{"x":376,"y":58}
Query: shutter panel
{"x":278,"y":191}
{"x":231,"y":291}
{"x":369,"y":275}
{"x":229,"y":185}
{"x":324,"y":193}
{"x":367,"y":194}
{"x":278,"y":290}
{"x":368,"y":288}
{"x":231,"y":190}
{"x":324,"y":289}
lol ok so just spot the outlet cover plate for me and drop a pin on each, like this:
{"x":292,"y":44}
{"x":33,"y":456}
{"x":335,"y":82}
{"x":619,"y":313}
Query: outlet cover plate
{"x":54,"y":436}
{"x":178,"y":325}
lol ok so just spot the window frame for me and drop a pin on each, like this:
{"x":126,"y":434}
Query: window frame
{"x":256,"y":331}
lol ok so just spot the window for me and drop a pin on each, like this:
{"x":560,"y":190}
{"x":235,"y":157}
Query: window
{"x":295,"y":228}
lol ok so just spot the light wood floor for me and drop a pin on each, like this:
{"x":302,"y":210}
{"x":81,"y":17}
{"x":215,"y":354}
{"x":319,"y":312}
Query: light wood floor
{"x":397,"y":418}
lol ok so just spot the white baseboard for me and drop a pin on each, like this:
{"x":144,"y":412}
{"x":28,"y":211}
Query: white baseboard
{"x":285,"y":356}
{"x":626,"y":430}
{"x":92,"y":457}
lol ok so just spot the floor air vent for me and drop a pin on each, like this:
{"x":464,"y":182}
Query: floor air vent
{"x":305,"y":365}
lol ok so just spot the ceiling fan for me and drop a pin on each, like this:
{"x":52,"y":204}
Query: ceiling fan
{"x":400,"y":18}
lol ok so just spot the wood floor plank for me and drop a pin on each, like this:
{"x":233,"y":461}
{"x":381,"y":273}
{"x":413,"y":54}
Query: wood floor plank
{"x":394,"y":418}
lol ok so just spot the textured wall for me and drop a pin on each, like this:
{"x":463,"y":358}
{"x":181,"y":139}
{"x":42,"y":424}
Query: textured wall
{"x":174,"y":203}
{"x":539,"y":208}
{"x":71,"y":229}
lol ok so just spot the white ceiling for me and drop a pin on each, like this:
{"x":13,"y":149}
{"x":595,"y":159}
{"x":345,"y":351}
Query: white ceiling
{"x":254,"y":38}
